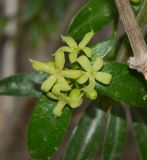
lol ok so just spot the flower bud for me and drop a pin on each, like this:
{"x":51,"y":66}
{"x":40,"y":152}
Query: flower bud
{"x":75,"y":98}
{"x":91,"y":94}
{"x":135,"y":1}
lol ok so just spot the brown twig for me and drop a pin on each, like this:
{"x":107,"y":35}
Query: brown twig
{"x":139,"y":61}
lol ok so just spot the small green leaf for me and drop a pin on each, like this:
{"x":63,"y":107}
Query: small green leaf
{"x":45,"y":130}
{"x":127,"y":85}
{"x":101,"y":49}
{"x":23,"y":84}
{"x":92,"y":16}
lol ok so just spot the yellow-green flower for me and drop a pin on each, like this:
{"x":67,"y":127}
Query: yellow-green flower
{"x":57,"y":78}
{"x":92,"y":74}
{"x":74,"y":100}
{"x":74,"y":48}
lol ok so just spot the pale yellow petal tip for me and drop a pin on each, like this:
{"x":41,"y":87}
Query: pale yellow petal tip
{"x":62,"y":37}
{"x":92,"y":32}
{"x":31,"y":60}
{"x":109,"y":78}
{"x":57,"y":113}
{"x":103,"y":77}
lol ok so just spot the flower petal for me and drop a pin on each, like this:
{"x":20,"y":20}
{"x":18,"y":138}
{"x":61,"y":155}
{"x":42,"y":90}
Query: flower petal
{"x":103,"y":77}
{"x":59,"y":59}
{"x":48,"y":83}
{"x":87,"y":51}
{"x":85,"y":63}
{"x":57,"y":111}
{"x":73,"y":56}
{"x":56,"y":89}
{"x":50,"y":63}
{"x":91,"y":85}
{"x":51,"y":95}
{"x":83,"y":79}
{"x":64,"y":84}
{"x":72,"y":74}
{"x":86,"y":39}
{"x":65,"y":49}
{"x":63,"y":97}
{"x":43,"y":66}
{"x":69,"y":41}
{"x":98,"y":64}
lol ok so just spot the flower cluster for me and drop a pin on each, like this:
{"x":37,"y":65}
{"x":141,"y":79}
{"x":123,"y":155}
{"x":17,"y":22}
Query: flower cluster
{"x":68,"y":85}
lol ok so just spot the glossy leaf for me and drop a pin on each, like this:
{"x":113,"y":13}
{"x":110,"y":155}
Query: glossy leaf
{"x":97,"y":130}
{"x":140,"y":130}
{"x":86,"y":137}
{"x":127,"y":85}
{"x":101,"y":49}
{"x":45,"y":130}
{"x":23,"y":84}
{"x":93,"y":15}
{"x":115,"y":138}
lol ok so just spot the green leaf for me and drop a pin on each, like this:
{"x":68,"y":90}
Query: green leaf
{"x":101,"y":49}
{"x":45,"y":131}
{"x":96,"y":130}
{"x":127,"y":85}
{"x":32,"y":9}
{"x":115,"y":138}
{"x":93,"y":15}
{"x":23,"y":84}
{"x":86,"y":137}
{"x":140,"y":130}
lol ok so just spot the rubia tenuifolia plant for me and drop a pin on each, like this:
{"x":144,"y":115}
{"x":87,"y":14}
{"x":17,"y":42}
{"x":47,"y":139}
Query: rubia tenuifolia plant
{"x":67,"y":85}
{"x":112,"y":85}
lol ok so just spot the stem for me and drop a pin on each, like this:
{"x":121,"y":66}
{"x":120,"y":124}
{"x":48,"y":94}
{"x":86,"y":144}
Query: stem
{"x":139,"y":61}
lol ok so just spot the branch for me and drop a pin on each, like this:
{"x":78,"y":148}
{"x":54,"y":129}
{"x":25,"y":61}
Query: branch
{"x":139,"y":61}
